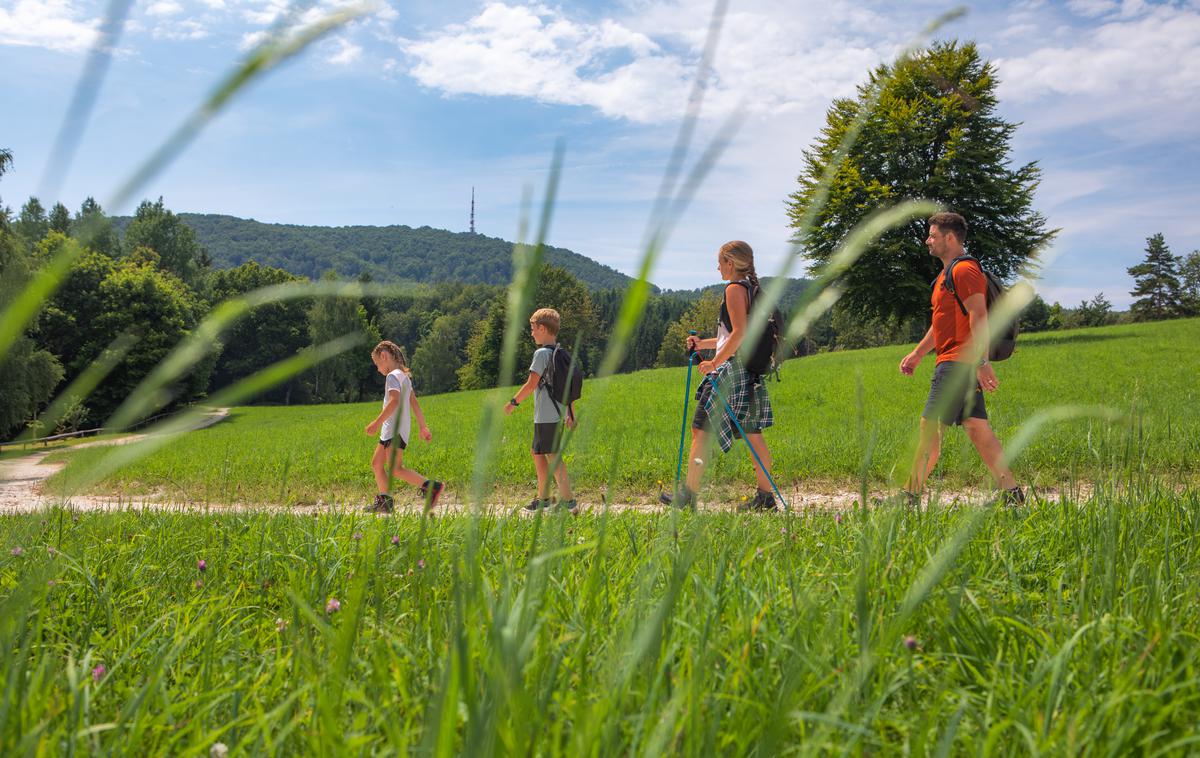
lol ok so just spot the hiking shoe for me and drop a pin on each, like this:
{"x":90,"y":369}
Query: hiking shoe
{"x":903,"y":499}
{"x":430,"y":492}
{"x":762,"y":501}
{"x":383,"y":504}
{"x":1013,"y":498}
{"x":570,"y":506}
{"x":685,"y":499}
{"x":538,"y":504}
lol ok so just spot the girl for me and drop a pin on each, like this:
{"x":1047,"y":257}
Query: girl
{"x":745,"y":393}
{"x":393,"y":424}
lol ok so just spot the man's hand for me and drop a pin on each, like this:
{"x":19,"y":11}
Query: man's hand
{"x":909,"y":363}
{"x":425,"y":433}
{"x":571,"y":422}
{"x":372,"y":428}
{"x":987,"y":377}
{"x":509,"y":408}
{"x":707,"y":367}
{"x":692,"y":341}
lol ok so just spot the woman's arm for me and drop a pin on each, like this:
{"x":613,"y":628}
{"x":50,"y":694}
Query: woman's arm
{"x":738,"y":305}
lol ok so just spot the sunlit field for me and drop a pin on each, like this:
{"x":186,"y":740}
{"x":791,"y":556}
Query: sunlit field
{"x":833,"y":413}
{"x":1057,"y":629}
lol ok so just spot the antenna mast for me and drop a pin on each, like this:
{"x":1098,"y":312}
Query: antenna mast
{"x":472,"y":210}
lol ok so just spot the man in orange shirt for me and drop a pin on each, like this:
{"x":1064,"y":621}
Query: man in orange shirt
{"x":960,"y":341}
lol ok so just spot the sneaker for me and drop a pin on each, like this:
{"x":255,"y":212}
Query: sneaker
{"x":762,"y":501}
{"x":685,"y":499}
{"x":383,"y":504}
{"x":430,"y":492}
{"x":538,"y":504}
{"x":570,"y":506}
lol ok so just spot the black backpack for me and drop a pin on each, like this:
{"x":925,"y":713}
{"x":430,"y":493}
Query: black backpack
{"x":760,"y":361}
{"x":1003,"y":344}
{"x":564,"y":380}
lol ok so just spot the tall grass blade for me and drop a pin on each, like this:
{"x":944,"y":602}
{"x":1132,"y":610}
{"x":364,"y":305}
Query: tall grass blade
{"x":62,"y":154}
{"x":262,"y":59}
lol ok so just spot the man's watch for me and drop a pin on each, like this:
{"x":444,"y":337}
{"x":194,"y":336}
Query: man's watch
{"x":984,"y":361}
{"x":514,"y":402}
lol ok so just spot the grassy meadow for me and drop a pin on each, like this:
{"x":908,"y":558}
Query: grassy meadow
{"x":1062,"y":629}
{"x":1068,"y":627}
{"x":838,"y":415}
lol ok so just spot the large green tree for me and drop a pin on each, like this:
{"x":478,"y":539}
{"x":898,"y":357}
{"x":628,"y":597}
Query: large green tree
{"x":1156,"y":283}
{"x":701,"y":317}
{"x":156,"y":227}
{"x":442,"y":352}
{"x":1189,"y":273}
{"x":139,"y":298}
{"x":934,"y":134}
{"x":341,"y":378}
{"x":95,"y":230}
{"x":266,"y":334}
{"x":556,"y":289}
{"x":28,"y":374}
{"x":33,"y":224}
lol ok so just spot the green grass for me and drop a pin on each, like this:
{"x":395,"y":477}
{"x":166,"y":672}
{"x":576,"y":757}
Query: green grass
{"x":1065,"y":629}
{"x":833,"y":411}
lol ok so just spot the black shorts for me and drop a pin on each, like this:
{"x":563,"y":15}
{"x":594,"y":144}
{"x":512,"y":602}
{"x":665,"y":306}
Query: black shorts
{"x":949,"y":401}
{"x":400,"y":443}
{"x":545,"y":438}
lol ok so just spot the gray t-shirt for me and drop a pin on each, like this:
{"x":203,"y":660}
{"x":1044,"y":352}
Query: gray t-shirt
{"x":544,"y":411}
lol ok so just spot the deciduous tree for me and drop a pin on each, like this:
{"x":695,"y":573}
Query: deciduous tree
{"x":935,"y":134}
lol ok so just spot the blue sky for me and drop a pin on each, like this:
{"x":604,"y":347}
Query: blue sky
{"x":393,"y":119}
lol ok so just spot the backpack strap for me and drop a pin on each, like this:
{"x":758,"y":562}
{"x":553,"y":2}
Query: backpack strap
{"x":948,"y":280}
{"x":726,"y":319}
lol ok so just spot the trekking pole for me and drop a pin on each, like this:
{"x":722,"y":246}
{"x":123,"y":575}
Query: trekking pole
{"x":687,"y":395}
{"x":733,"y":418}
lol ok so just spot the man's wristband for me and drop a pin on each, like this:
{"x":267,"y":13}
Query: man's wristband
{"x":514,"y":402}
{"x":983,"y":361}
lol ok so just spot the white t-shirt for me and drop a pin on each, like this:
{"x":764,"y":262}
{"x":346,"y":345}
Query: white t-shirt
{"x":397,"y":381}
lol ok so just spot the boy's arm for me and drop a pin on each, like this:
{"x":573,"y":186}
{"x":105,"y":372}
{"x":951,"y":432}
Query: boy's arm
{"x":388,"y":409}
{"x":416,"y":410}
{"x":526,"y":389}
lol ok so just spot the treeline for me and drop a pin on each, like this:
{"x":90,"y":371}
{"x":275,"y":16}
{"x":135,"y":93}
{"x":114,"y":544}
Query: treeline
{"x":384,"y":253}
{"x":142,"y":291}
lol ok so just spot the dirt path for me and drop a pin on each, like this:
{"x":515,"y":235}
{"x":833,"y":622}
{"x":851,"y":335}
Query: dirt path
{"x":22,"y":480}
{"x":22,"y":490}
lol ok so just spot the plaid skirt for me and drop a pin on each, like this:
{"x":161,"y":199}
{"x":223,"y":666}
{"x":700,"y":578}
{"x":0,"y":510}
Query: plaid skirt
{"x":747,"y":398}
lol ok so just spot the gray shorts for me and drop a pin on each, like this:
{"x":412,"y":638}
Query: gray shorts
{"x":949,"y":401}
{"x":546,"y":438}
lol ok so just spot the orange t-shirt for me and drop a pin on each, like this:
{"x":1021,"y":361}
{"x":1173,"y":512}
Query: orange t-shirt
{"x":951,"y":329}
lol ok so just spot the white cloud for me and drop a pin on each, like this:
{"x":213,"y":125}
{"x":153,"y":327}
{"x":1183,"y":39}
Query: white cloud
{"x":252,"y":39}
{"x":187,"y":29}
{"x":771,"y":59}
{"x":52,"y":24}
{"x":164,"y":8}
{"x":347,"y":53}
{"x":1157,"y":54}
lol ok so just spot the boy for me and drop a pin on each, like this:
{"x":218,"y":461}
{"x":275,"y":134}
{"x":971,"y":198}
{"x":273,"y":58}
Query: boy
{"x":547,"y":414}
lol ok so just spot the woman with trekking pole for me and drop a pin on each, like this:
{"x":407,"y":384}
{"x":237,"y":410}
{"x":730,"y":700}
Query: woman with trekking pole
{"x":731,"y":402}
